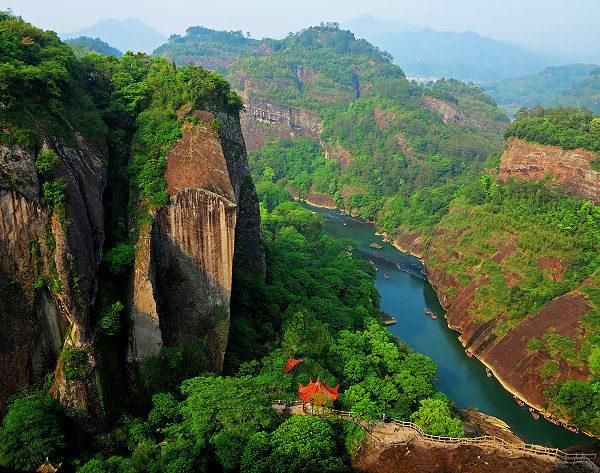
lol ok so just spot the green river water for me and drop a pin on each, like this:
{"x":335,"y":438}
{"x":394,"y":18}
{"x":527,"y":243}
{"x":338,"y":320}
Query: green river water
{"x":404,"y":296}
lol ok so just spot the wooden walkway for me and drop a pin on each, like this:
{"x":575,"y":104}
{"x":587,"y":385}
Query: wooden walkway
{"x":396,"y":432}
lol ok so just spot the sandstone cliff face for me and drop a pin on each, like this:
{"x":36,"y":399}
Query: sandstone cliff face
{"x":48,"y":268}
{"x":265,"y":121}
{"x":570,"y":168}
{"x":505,"y":351}
{"x":185,"y":261}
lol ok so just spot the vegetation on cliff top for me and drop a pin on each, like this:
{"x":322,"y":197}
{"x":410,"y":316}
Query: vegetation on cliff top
{"x":41,"y":86}
{"x":568,"y":128}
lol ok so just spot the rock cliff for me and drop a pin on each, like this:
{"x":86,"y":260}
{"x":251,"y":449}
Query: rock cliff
{"x":265,"y":120}
{"x":48,"y":263}
{"x":186,"y":258}
{"x":570,"y":168}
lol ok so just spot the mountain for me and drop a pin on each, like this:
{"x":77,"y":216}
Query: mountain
{"x":141,"y":329}
{"x":508,"y":249}
{"x":466,"y":56}
{"x":127,"y":207}
{"x":126,"y":35}
{"x":83,"y":45}
{"x":575,"y":85}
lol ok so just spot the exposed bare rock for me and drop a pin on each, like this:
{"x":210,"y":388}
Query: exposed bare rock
{"x":146,"y":339}
{"x":184,"y":265}
{"x":339,"y":154}
{"x":40,"y":250}
{"x":265,"y":121}
{"x":570,"y":168}
{"x":319,"y":199}
{"x":305,"y":74}
{"x":383,"y":118}
{"x":450,"y":113}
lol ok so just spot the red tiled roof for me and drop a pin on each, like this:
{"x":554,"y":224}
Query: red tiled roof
{"x":317,"y":390}
{"x":291,"y":364}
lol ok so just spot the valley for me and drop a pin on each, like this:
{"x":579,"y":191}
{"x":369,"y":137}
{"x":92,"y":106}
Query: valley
{"x":161,"y":287}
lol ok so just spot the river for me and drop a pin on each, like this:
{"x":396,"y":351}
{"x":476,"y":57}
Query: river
{"x":404,"y":296}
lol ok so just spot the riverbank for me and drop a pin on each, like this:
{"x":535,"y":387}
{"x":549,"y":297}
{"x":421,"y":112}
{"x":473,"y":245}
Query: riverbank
{"x":404,"y":295}
{"x":410,"y":243}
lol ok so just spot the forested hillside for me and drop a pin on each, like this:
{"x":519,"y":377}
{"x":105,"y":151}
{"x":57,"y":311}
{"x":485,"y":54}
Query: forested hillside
{"x":95,"y":405}
{"x":576,"y":85}
{"x":84,"y":44}
{"x":391,"y":144}
{"x":422,"y":163}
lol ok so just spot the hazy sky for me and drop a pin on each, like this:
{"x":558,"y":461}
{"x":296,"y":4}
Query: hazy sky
{"x":567,"y":25}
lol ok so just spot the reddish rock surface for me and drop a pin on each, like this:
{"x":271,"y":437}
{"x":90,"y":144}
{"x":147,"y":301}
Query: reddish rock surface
{"x":383,"y":118}
{"x":183,"y":273}
{"x":417,"y":458}
{"x":318,"y":199}
{"x":266,"y":121}
{"x":570,"y":168}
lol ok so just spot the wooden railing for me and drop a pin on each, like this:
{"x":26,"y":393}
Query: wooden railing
{"x":485,"y":441}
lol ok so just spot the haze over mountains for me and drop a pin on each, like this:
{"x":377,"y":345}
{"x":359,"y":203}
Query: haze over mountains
{"x":128,"y":34}
{"x":575,"y":85}
{"x":421,"y":51}
{"x":466,"y":56}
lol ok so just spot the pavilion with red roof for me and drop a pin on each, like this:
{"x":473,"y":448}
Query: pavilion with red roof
{"x":316,"y":393}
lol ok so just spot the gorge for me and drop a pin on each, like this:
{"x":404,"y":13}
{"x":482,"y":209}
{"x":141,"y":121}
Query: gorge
{"x":157,"y":276}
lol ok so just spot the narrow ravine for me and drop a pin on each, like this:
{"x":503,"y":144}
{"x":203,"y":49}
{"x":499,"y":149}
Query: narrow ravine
{"x":404,"y":295}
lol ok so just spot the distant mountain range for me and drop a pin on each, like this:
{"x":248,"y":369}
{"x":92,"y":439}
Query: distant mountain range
{"x":125,"y":35}
{"x":466,"y":56}
{"x":575,"y":85}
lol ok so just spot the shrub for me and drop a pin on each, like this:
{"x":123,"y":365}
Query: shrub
{"x":549,"y":369}
{"x":31,"y":431}
{"x":54,"y":193}
{"x":75,"y":363}
{"x":120,"y":258}
{"x":46,"y":161}
{"x":110,"y":320}
{"x":533,"y":344}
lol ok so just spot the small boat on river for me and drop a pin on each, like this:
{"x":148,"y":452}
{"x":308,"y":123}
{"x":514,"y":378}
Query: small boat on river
{"x":428,"y":313}
{"x":386,"y":276}
{"x":377,"y":246}
{"x":534,"y":414}
{"x":488,"y":373}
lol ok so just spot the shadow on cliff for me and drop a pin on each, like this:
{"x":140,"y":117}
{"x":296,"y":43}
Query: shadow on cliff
{"x":192,"y":305}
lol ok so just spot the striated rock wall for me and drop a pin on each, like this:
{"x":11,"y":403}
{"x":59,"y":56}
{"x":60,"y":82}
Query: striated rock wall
{"x":570,"y":168}
{"x":48,"y":266}
{"x":504,"y":350}
{"x":185,"y":262}
{"x":265,"y":120}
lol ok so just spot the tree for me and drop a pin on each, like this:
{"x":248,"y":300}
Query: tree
{"x":304,"y":444}
{"x":303,"y":334}
{"x":31,"y":431}
{"x":225,"y":413}
{"x":434,"y":418}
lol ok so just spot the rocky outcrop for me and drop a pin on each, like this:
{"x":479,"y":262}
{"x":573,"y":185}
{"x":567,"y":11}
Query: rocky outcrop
{"x":185,"y":261}
{"x":48,"y":264}
{"x":570,"y":168}
{"x":449,"y":112}
{"x":265,"y":121}
{"x":467,"y":116}
{"x":500,"y":343}
{"x":319,"y":199}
